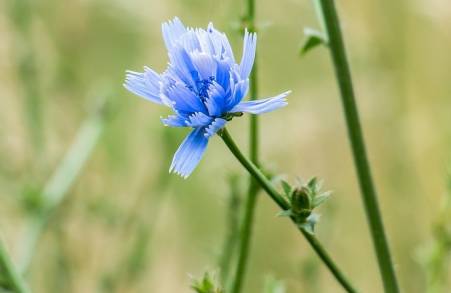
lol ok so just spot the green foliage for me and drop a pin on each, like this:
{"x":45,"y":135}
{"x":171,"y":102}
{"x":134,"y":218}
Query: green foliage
{"x":313,"y":39}
{"x":303,"y":199}
{"x":208,"y":284}
{"x":273,"y":285}
{"x":436,"y":255}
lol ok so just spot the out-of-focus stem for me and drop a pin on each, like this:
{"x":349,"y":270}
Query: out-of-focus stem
{"x":8,"y":272}
{"x":61,"y":181}
{"x":232,"y":230}
{"x":368,"y":191}
{"x":21,"y":17}
{"x":251,"y":201}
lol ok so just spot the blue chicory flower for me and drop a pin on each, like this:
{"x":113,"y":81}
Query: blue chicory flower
{"x":203,"y":85}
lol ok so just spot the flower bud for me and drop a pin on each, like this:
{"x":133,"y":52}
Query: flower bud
{"x":301,"y":203}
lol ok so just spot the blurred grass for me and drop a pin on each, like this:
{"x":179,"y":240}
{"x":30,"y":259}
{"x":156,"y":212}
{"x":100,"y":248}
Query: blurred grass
{"x":399,"y":54}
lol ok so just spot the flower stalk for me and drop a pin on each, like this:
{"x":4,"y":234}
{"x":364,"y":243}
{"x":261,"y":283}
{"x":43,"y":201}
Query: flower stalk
{"x":337,"y":50}
{"x":266,"y":185}
{"x":251,"y":201}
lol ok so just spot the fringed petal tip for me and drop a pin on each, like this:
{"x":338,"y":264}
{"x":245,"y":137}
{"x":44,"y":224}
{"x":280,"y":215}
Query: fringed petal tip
{"x":263,"y":105}
{"x":172,"y":30}
{"x":214,"y":127}
{"x":189,"y":154}
{"x":173,"y":121}
{"x":248,"y":57}
{"x":144,"y":84}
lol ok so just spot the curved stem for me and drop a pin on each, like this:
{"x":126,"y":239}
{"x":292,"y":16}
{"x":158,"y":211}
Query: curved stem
{"x":284,"y":205}
{"x":14,"y":280}
{"x":355,"y":133}
{"x":343,"y":74}
{"x":251,"y":202}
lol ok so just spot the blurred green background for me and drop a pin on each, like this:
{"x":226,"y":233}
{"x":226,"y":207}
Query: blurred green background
{"x":126,"y":225}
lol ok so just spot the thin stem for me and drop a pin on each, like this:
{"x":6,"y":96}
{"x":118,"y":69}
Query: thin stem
{"x":232,"y":228}
{"x":21,"y":15}
{"x":251,"y":202}
{"x":8,"y":272}
{"x":62,"y":180}
{"x":355,"y":134}
{"x":245,"y":237}
{"x":284,"y":205}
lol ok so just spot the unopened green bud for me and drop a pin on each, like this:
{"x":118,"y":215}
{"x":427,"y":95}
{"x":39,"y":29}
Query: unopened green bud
{"x":301,"y":203}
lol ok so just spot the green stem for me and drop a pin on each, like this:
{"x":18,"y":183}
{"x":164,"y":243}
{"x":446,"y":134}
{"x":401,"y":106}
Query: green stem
{"x":355,"y":133}
{"x":232,"y":228}
{"x":62,"y":180}
{"x":245,"y":237}
{"x":14,"y":280}
{"x":251,"y":202}
{"x":284,"y":205}
{"x":21,"y":15}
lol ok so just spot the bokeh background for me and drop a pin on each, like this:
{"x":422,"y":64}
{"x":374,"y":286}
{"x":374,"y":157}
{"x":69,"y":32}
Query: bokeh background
{"x":125,"y":225}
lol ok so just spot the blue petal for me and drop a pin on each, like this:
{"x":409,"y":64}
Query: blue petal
{"x":190,"y":41}
{"x":240,"y":90}
{"x":215,"y":100}
{"x":223,"y":72}
{"x":263,"y":105}
{"x":182,"y":65}
{"x":189,"y":153}
{"x":145,"y":84}
{"x":220,"y":43}
{"x":174,"y":121}
{"x":247,"y":60}
{"x":204,"y":64}
{"x":216,"y":125}
{"x":207,"y":44}
{"x":184,"y":100}
{"x":198,"y":119}
{"x":172,"y":31}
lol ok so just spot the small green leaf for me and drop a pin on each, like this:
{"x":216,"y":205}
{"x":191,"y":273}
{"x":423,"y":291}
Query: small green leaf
{"x":319,"y":199}
{"x":286,"y":213}
{"x":313,"y":184}
{"x":273,"y":286}
{"x":208,"y":284}
{"x":286,"y":187}
{"x":309,"y":224}
{"x":313,"y":39}
{"x":308,"y":227}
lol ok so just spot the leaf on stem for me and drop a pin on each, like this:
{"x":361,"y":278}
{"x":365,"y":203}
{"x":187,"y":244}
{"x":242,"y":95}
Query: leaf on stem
{"x":208,"y":284}
{"x":313,"y":38}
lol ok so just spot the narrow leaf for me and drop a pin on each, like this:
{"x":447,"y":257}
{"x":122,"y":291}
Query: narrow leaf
{"x":286,"y":187}
{"x":318,"y":200}
{"x":313,"y":39}
{"x":286,"y":213}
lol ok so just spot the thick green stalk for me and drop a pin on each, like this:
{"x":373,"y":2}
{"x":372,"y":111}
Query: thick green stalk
{"x":251,"y":202}
{"x":284,"y":205}
{"x":9,"y":274}
{"x":355,"y":133}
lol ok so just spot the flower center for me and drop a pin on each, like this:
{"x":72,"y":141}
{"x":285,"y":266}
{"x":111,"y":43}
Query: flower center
{"x":202,"y":88}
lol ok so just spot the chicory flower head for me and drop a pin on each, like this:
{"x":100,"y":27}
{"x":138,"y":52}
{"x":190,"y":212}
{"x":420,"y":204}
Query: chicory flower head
{"x":203,"y":85}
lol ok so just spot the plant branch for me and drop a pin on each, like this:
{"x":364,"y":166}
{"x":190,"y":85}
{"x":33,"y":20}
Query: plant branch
{"x":251,"y":202}
{"x":284,"y":205}
{"x":343,"y":74}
